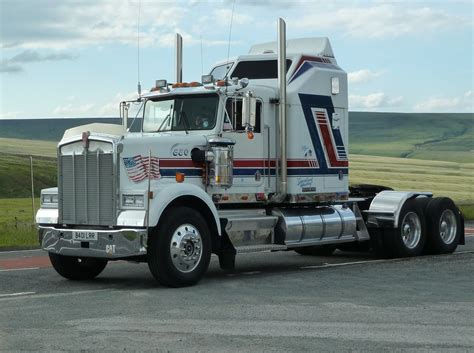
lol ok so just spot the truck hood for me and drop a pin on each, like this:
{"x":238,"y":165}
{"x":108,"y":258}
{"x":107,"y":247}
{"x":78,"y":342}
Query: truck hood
{"x":95,"y":129}
{"x":168,"y":153}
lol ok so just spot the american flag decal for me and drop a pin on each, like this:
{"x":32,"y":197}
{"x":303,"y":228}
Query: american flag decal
{"x":137,"y":168}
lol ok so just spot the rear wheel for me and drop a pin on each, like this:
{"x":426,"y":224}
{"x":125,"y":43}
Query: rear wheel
{"x":77,"y":268}
{"x":443,"y":226}
{"x":409,"y":238}
{"x":323,"y":250}
{"x":179,"y":250}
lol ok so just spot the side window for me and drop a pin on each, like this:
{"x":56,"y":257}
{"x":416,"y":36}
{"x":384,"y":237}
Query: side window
{"x":233,"y":118}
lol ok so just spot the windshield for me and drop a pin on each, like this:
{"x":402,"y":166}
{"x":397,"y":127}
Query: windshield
{"x":181,"y":113}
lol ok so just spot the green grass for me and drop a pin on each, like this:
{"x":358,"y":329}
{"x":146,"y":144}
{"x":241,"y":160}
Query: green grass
{"x":28,"y":147}
{"x":17,"y":229}
{"x":15,"y":177}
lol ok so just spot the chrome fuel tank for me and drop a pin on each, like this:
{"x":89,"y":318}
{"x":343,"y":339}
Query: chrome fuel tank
{"x":310,"y":226}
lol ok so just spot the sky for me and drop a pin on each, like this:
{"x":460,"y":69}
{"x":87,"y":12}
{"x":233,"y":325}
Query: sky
{"x":80,"y":58}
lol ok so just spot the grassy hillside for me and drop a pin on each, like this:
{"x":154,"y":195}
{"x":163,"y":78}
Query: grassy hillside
{"x":50,"y":129}
{"x":445,"y":137}
{"x":15,"y":180}
{"x":28,"y":147}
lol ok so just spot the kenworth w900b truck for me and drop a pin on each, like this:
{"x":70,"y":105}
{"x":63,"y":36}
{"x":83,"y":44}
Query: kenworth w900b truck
{"x":254,"y":157}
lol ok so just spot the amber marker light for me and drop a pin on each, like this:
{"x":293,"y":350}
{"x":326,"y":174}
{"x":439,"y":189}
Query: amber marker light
{"x":179,"y":177}
{"x":250,"y":135}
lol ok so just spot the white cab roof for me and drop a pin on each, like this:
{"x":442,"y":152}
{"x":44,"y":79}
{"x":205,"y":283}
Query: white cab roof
{"x":312,"y":46}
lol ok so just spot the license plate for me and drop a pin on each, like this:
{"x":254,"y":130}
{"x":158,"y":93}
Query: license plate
{"x":84,"y":236}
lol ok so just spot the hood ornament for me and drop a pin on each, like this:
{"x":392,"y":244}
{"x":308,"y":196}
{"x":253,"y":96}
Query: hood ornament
{"x":85,"y":139}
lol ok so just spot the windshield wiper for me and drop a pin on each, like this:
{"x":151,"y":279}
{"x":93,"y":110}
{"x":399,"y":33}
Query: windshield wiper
{"x":182,"y":115}
{"x":166,"y":119}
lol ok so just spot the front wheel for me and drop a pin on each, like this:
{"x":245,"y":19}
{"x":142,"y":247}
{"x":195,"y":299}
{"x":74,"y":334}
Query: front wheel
{"x":77,"y":268}
{"x":179,"y":250}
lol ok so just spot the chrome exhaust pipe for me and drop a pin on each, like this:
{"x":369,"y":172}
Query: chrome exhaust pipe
{"x":179,"y":57}
{"x":282,"y":188}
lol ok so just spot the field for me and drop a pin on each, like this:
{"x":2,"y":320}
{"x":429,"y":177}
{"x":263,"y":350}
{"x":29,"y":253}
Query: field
{"x":443,"y":137}
{"x":452,"y":179}
{"x":15,"y":180}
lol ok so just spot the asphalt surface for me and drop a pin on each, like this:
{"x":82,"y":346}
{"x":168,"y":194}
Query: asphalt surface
{"x":274,"y":302}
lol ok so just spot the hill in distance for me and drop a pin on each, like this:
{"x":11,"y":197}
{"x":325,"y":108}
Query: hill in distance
{"x":442,"y":136}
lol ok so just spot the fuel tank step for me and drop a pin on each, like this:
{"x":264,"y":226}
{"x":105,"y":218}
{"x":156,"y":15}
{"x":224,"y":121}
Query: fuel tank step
{"x":256,"y":248}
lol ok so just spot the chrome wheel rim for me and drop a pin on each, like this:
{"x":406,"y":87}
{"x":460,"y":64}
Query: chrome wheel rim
{"x":186,"y":248}
{"x":447,"y":226}
{"x":411,"y":230}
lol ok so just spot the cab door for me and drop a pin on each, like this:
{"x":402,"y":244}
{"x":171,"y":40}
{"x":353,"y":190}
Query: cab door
{"x":249,"y":157}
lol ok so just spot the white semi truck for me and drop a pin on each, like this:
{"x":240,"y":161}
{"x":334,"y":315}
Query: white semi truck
{"x":254,"y":157}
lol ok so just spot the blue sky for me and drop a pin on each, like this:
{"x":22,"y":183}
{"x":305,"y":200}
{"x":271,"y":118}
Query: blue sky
{"x":78,"y":58}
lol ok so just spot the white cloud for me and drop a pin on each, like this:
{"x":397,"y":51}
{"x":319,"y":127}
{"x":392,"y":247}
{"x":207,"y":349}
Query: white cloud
{"x":58,"y":24}
{"x":9,"y":115}
{"x":362,"y":76}
{"x":384,"y":20}
{"x":440,"y":104}
{"x":14,"y":64}
{"x":223,"y":17}
{"x":373,"y":101}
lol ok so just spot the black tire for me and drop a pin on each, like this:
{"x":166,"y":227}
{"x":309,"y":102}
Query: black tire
{"x":77,"y":268}
{"x":166,"y":269}
{"x":411,"y":225}
{"x":322,"y":250}
{"x":423,"y":203}
{"x":443,"y":226}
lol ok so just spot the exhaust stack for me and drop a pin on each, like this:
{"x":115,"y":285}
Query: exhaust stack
{"x":282,"y":192}
{"x":179,"y":57}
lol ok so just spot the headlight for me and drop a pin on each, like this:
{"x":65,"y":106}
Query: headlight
{"x":49,"y":200}
{"x":133,"y":201}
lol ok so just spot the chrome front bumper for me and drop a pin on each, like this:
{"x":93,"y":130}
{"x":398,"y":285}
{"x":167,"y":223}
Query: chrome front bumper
{"x":111,"y":244}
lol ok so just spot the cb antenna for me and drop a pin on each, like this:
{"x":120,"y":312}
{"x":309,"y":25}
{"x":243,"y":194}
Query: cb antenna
{"x":202,"y":70}
{"x":230,"y":31}
{"x":139,"y":86}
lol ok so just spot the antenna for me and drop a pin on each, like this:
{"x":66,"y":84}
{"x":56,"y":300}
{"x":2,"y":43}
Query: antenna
{"x":139,"y":86}
{"x":230,"y":30}
{"x":202,"y":70}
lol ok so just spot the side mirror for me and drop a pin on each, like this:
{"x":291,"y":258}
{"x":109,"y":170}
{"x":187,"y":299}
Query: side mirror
{"x":249,"y":111}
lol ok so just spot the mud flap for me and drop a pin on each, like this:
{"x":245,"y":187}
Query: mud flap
{"x":226,"y":251}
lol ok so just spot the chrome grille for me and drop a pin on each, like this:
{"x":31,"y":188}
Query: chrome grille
{"x":86,"y":188}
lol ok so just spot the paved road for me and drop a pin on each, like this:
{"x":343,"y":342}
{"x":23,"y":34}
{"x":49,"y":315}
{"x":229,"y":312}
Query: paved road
{"x":274,"y":302}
